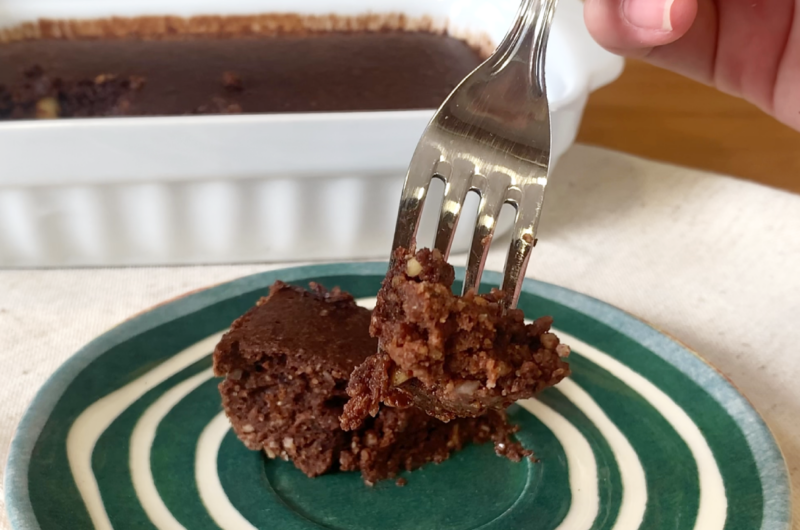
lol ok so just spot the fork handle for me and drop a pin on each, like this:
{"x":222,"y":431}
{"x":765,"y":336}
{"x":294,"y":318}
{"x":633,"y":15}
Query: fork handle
{"x":526,"y":41}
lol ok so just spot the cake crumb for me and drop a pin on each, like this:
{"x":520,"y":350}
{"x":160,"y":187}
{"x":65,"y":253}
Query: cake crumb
{"x":43,"y":96}
{"x":232,"y":81}
{"x":401,"y":482}
{"x":219,"y":105}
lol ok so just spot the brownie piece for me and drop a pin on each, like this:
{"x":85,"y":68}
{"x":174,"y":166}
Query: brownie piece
{"x":450,"y":355}
{"x":286,"y":364}
{"x":270,"y":63}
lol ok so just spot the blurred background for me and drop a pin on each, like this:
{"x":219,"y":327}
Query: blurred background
{"x":150,"y":133}
{"x":664,"y":116}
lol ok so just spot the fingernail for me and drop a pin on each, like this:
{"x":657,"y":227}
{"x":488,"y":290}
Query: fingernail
{"x":648,"y":14}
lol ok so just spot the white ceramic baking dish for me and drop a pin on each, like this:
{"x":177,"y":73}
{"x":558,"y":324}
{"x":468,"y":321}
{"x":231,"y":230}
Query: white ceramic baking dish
{"x":210,"y":189}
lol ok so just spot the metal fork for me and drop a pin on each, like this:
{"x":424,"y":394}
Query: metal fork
{"x":492,"y":135}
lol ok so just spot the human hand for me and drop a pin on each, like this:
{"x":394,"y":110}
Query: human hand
{"x":748,"y":48}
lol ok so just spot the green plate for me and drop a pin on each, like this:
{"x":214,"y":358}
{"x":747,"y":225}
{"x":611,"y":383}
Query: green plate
{"x":129,"y":434}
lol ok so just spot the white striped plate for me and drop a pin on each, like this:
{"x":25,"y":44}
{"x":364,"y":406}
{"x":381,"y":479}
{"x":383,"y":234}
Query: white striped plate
{"x":129,"y":434}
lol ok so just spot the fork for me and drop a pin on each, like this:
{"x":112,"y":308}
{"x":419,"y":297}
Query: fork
{"x":491,"y":135}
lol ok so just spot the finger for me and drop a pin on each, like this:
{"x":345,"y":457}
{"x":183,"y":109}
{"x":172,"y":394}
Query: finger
{"x":695,"y":53}
{"x":634,"y":27}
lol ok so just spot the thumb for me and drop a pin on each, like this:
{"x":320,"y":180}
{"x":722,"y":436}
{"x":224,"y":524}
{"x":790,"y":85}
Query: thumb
{"x":634,"y":27}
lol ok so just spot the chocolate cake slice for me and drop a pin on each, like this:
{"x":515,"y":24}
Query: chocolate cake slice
{"x":452,"y":356}
{"x":287,"y":363}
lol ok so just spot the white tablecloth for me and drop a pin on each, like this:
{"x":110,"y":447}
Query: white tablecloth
{"x":712,"y":260}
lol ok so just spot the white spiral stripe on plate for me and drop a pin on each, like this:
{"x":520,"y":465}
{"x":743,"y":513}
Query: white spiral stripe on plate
{"x":142,"y":438}
{"x":634,"y":483}
{"x":93,"y":422}
{"x":206,"y":473}
{"x":581,"y":466}
{"x":712,"y":509}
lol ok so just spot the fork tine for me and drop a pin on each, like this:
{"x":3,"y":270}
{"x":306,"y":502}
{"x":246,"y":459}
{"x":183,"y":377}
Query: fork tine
{"x":493,"y":194}
{"x":418,"y":178}
{"x":522,"y":242}
{"x":457,"y":185}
